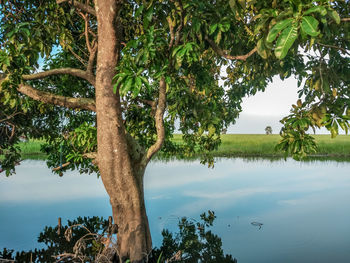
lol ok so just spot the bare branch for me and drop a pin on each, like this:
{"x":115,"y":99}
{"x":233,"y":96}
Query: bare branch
{"x":346,"y":19}
{"x":90,"y":155}
{"x":81,"y":60}
{"x":8,"y":117}
{"x":148,"y":102}
{"x":71,"y":71}
{"x":47,"y":97}
{"x":84,"y":7}
{"x":86,"y":30}
{"x":172,"y":34}
{"x":224,"y":53}
{"x":335,"y":47}
{"x":159,"y":121}
{"x":92,"y":58}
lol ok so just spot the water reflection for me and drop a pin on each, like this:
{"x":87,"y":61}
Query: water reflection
{"x":303,"y":205}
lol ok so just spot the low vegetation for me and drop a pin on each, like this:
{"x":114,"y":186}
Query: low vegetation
{"x":238,"y":145}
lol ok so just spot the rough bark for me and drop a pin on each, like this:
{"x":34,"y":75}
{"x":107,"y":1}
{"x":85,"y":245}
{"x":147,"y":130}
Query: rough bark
{"x":159,"y":121}
{"x":121,"y":175}
{"x":70,"y":71}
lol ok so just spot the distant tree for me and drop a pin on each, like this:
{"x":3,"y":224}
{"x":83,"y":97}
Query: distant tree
{"x":268,"y":130}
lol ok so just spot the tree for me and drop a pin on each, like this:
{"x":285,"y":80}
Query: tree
{"x":118,"y":74}
{"x":268,"y":130}
{"x":85,"y":239}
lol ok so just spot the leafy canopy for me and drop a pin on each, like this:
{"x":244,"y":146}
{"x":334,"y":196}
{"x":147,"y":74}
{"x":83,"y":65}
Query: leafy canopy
{"x":188,"y":44}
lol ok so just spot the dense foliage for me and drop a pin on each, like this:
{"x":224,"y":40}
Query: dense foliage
{"x":189,"y":42}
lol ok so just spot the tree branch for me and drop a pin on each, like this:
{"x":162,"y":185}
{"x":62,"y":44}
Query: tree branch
{"x":86,"y":31}
{"x":224,"y":53}
{"x":346,"y":19}
{"x":47,"y":97}
{"x":335,"y":47}
{"x":159,"y":121}
{"x":8,"y":117}
{"x":179,"y":29}
{"x":71,"y":71}
{"x":81,"y":60}
{"x":90,"y":155}
{"x":81,"y":6}
{"x":172,"y":34}
{"x":92,"y":58}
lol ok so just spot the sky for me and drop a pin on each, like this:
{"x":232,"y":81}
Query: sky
{"x":268,"y":108}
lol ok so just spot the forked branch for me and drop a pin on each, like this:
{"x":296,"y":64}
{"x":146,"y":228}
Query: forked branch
{"x":224,"y":53}
{"x":159,"y":121}
{"x":83,"y":7}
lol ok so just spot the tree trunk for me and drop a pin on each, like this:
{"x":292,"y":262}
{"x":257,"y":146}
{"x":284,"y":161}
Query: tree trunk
{"x":121,"y":175}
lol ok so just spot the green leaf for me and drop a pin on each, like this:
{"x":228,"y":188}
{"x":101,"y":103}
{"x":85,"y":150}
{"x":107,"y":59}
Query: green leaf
{"x":127,"y":86}
{"x":168,"y":80}
{"x":319,"y":9}
{"x":278,"y":28}
{"x":211,"y":130}
{"x":212,"y":28}
{"x":262,"y":49}
{"x":139,"y":11}
{"x":334,"y":130}
{"x":242,"y":3}
{"x":335,"y":16}
{"x":232,"y":3}
{"x":148,"y":17}
{"x":225,"y":26}
{"x":310,"y":25}
{"x":285,"y":41}
{"x":138,"y":86}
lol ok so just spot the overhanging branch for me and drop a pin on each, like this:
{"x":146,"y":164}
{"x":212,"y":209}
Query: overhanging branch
{"x":224,"y":53}
{"x":84,"y":7}
{"x":47,"y":97}
{"x":70,"y":71}
{"x":159,"y":121}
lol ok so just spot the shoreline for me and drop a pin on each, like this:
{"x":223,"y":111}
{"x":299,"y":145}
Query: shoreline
{"x":238,"y":145}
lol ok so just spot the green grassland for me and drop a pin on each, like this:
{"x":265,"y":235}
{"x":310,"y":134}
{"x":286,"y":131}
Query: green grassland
{"x":31,"y":150}
{"x":263,"y":145}
{"x":238,"y":145}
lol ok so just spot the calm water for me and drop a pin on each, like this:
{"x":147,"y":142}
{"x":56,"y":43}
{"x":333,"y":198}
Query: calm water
{"x":304,"y":207}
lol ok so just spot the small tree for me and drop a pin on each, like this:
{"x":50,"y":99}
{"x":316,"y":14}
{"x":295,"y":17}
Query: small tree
{"x":268,"y":130}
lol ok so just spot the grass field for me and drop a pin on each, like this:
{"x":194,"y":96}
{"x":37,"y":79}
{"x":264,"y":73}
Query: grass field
{"x":249,"y":145}
{"x":263,"y":145}
{"x":31,"y":150}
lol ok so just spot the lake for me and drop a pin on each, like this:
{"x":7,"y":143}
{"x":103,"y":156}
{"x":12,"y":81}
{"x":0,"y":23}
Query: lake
{"x":304,"y":206}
